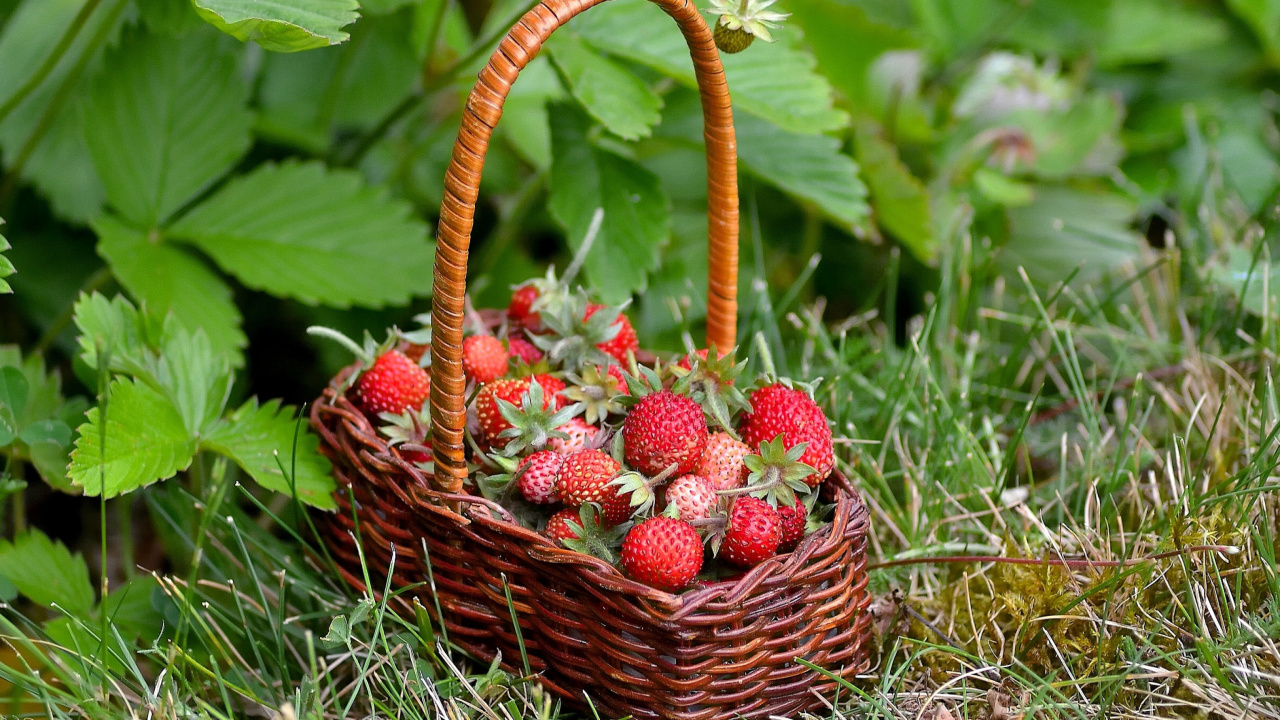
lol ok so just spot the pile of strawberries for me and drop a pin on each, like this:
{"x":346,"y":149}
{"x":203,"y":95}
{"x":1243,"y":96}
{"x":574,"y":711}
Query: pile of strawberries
{"x":671,"y":470}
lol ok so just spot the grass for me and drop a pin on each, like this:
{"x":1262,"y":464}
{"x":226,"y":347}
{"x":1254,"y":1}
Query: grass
{"x":1100,"y":454}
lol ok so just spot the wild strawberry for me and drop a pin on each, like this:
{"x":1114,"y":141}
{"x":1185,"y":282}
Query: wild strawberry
{"x":617,"y":508}
{"x":721,"y":462}
{"x":536,"y":476}
{"x":533,"y":423}
{"x":407,"y":432}
{"x":741,"y":21}
{"x":393,"y":385}
{"x":561,"y":525}
{"x":391,"y":382}
{"x":625,"y":340}
{"x":663,"y":552}
{"x":580,"y":437}
{"x":791,"y":519}
{"x":484,"y":359}
{"x":584,"y":478}
{"x":693,"y":496}
{"x":524,"y":350}
{"x":553,"y":387}
{"x":664,"y":429}
{"x":599,"y":392}
{"x":753,"y":532}
{"x":492,"y":424}
{"x":520,"y":307}
{"x":779,"y":410}
{"x":617,"y":373}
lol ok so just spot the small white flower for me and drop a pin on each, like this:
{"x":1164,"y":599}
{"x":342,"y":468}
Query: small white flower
{"x":750,"y":15}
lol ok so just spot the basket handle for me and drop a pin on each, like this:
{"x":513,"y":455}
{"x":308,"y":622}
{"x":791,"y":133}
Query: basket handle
{"x":462,"y":185}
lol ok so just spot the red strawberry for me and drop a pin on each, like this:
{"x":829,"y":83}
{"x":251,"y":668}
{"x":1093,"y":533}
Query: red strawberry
{"x":522,"y":299}
{"x":779,"y":410}
{"x":491,"y":421}
{"x":394,"y":384}
{"x":622,"y":342}
{"x":551,"y":387}
{"x":664,"y":429}
{"x":663,"y":552}
{"x":721,"y":462}
{"x":753,"y":533}
{"x":523,"y":349}
{"x":484,"y":359}
{"x":693,"y":495}
{"x":580,"y":435}
{"x":558,"y":527}
{"x":617,"y":373}
{"x":584,"y":477}
{"x":537,"y":476}
{"x":792,"y":520}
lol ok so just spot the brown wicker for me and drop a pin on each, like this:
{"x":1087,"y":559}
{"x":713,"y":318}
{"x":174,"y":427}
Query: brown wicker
{"x":721,"y":650}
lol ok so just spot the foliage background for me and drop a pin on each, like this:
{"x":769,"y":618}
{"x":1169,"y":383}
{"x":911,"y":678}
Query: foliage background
{"x":983,"y":222}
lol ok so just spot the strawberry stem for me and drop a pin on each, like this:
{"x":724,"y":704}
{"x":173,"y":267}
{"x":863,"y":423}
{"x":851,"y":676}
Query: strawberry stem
{"x":343,"y":340}
{"x":580,"y":257}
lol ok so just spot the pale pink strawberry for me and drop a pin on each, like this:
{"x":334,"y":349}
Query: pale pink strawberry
{"x":536,"y":476}
{"x":580,"y":436}
{"x":523,"y":349}
{"x":721,"y":462}
{"x":693,"y":495}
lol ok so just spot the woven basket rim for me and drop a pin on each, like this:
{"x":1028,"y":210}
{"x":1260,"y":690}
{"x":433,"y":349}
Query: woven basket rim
{"x":845,"y":525}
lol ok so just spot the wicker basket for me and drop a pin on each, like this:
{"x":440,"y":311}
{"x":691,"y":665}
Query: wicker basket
{"x":721,"y":650}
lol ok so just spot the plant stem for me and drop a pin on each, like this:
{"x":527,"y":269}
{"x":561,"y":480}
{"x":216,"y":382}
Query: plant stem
{"x":16,"y":470}
{"x":50,"y":62}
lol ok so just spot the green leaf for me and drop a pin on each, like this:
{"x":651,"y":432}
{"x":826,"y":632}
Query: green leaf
{"x":47,"y":573}
{"x":13,"y":392}
{"x":196,"y":380}
{"x":614,"y":96}
{"x":130,"y":610}
{"x":1263,"y":16}
{"x":166,"y":118}
{"x":637,"y":214}
{"x":145,"y":441}
{"x":171,"y":17}
{"x":1065,"y":228}
{"x":46,"y":431}
{"x":59,"y":165}
{"x":775,"y":81}
{"x":1140,"y":31}
{"x":169,"y":278}
{"x":6,"y":267}
{"x":320,"y":236}
{"x":810,"y":167}
{"x":113,"y":329}
{"x":282,"y":25}
{"x":253,"y":434}
{"x":901,"y":201}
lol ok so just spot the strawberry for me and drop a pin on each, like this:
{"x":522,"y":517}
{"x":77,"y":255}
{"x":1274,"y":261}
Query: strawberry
{"x":753,"y":532}
{"x":524,"y":350}
{"x":484,"y":359}
{"x":393,"y":385}
{"x":520,"y":308}
{"x":693,"y":496}
{"x":663,"y":552}
{"x":791,"y":519}
{"x":407,"y":432}
{"x":664,"y":429}
{"x":622,"y":342}
{"x":584,"y":478}
{"x":779,"y":410}
{"x":563,"y":525}
{"x":580,"y":435}
{"x":536,"y":476}
{"x":492,"y":424}
{"x":617,"y":373}
{"x":721,"y":462}
{"x":552,"y":386}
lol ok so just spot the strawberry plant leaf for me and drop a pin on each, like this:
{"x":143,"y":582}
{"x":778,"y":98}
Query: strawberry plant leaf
{"x":774,"y":81}
{"x":901,"y":201}
{"x":59,"y":166}
{"x":637,"y":214}
{"x":169,"y":278}
{"x":44,"y":423}
{"x":282,"y":25}
{"x":317,"y":235}
{"x":115,"y":331}
{"x":1263,"y":17}
{"x":1065,"y":228}
{"x":614,"y":96}
{"x":47,"y":573}
{"x":6,"y":266}
{"x":167,"y":117}
{"x":810,"y":167}
{"x":145,"y":441}
{"x":253,"y":434}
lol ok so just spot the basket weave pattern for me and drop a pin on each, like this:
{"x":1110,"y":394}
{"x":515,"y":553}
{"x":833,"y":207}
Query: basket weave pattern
{"x":716,"y":652}
{"x":721,"y":650}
